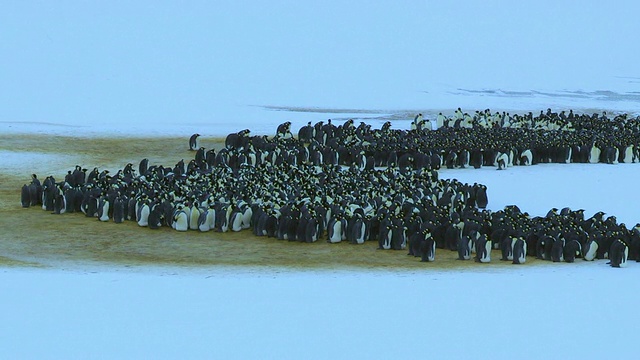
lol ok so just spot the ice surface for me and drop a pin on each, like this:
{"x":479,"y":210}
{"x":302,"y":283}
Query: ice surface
{"x":578,"y":310}
{"x":148,"y":68}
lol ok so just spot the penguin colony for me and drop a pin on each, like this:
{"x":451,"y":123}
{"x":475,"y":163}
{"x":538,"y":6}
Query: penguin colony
{"x":357,"y":184}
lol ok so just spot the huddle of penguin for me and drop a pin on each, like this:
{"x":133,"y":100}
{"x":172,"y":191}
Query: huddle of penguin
{"x":349,"y":183}
{"x":502,"y":140}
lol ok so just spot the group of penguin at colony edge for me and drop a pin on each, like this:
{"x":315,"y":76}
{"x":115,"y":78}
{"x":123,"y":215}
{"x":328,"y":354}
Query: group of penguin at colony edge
{"x":356,"y":184}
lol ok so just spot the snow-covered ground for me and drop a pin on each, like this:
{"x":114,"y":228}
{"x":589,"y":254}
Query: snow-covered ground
{"x":564,"y":311}
{"x":146,"y":68}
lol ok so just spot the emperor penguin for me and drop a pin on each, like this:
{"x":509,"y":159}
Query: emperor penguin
{"x":482,"y":199}
{"x":118,"y":210}
{"x":440,"y":119}
{"x":193,"y":142}
{"x":155,"y":217}
{"x":428,"y":248}
{"x":103,"y":209}
{"x":557,"y":250}
{"x":235,"y":220}
{"x":247,"y":214}
{"x":526,"y":157}
{"x":306,"y":133}
{"x":519,"y":247}
{"x":590,"y":250}
{"x":572,"y":249}
{"x":506,"y":247}
{"x":207,"y":220}
{"x":194,"y":215}
{"x":180,"y":219}
{"x":618,"y":254}
{"x":629,"y":154}
{"x":503,"y":161}
{"x":483,"y":250}
{"x":143,"y":214}
{"x":386,"y":234}
{"x":594,"y":155}
{"x":59,"y":201}
{"x":25,"y":196}
{"x":464,"y":248}
{"x":335,"y":229}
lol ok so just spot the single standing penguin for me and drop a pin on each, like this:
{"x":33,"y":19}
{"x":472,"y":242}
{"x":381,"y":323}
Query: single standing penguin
{"x":618,"y":254}
{"x":481,"y":197}
{"x":25,"y":197}
{"x":193,"y":142}
{"x":483,"y":250}
{"x":503,"y":161}
{"x":572,"y":249}
{"x":506,"y":247}
{"x":557,"y":250}
{"x":464,"y":248}
{"x":428,"y":248}
{"x":181,"y":219}
{"x":519,"y":247}
{"x":103,"y":209}
{"x":118,"y":210}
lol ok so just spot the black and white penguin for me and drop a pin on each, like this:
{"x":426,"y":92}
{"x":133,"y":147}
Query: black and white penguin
{"x":181,"y":219}
{"x":335,"y":229}
{"x":572,"y":249}
{"x":590,"y":250}
{"x":386,"y":234}
{"x":59,"y":201}
{"x":143,"y":214}
{"x":526,"y":157}
{"x":143,"y":167}
{"x":415,"y":243}
{"x":476,"y":159}
{"x":627,"y":154}
{"x":464,"y":159}
{"x":90,"y":204}
{"x":618,"y":254}
{"x":155,"y":218}
{"x":428,"y":248}
{"x":557,"y":250}
{"x":284,"y":131}
{"x":610,"y":155}
{"x":594,"y":154}
{"x":35,"y":191}
{"x":235,"y":220}
{"x":519,"y":247}
{"x":103,"y":209}
{"x":358,"y":231}
{"x":193,"y":142}
{"x":48,"y":193}
{"x":398,"y":237}
{"x":306,"y":133}
{"x":25,"y":196}
{"x":541,"y":247}
{"x":464,"y":247}
{"x":207,"y":219}
{"x":483,"y":250}
{"x":506,"y":248}
{"x":311,"y":230}
{"x":247,"y":214}
{"x":502,"y":161}
{"x":118,"y":210}
{"x":451,"y":159}
{"x":223,"y":214}
{"x":73,"y":199}
{"x":194,"y":215}
{"x":481,"y":197}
